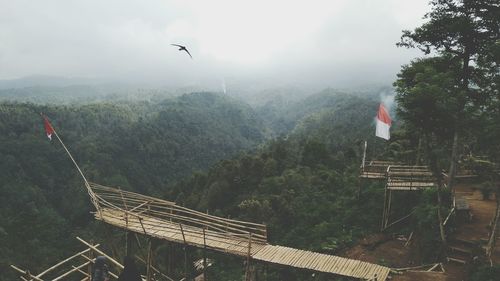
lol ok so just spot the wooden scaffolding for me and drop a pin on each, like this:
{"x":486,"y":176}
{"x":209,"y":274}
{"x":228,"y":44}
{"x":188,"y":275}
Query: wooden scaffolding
{"x":79,"y":264}
{"x":404,"y":178}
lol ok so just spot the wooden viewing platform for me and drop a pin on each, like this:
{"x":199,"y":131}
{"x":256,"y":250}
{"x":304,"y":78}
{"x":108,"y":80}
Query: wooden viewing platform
{"x":404,"y":178}
{"x":165,"y":220}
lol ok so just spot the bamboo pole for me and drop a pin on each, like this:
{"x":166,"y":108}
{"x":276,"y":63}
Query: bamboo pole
{"x":100,"y":252}
{"x":185,"y":253}
{"x":389,"y":205}
{"x":155,"y":269}
{"x":89,"y":269}
{"x":25,"y":273}
{"x":82,"y":272}
{"x":247,"y":273}
{"x":64,"y":261}
{"x":87,"y":185}
{"x":93,"y":261}
{"x":384,"y":209}
{"x":204,"y":256}
{"x":149,"y":260}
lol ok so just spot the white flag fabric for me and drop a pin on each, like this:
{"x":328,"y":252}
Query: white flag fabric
{"x":383,"y":123}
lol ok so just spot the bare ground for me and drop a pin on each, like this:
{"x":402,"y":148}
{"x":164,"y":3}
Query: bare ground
{"x":386,"y":250}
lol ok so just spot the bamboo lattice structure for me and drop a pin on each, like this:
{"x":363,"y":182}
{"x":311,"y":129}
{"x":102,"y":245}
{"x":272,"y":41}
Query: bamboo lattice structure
{"x":375,"y":169}
{"x":69,"y":266}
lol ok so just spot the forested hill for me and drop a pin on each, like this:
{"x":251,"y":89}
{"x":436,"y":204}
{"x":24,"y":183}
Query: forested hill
{"x":281,"y":113}
{"x":303,"y":185}
{"x":142,"y":146}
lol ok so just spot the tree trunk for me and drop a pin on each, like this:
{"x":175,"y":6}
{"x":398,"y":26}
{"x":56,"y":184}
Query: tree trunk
{"x":437,"y":173}
{"x":454,"y":158}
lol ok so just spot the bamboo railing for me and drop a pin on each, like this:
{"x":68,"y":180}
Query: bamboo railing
{"x":151,"y":212}
{"x":400,"y":177}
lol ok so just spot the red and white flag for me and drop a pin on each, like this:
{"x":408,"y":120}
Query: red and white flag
{"x":383,"y":123}
{"x":48,"y":128}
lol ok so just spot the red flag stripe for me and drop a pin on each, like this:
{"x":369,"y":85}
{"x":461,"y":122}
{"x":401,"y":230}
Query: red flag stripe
{"x":383,"y":115}
{"x":48,"y":128}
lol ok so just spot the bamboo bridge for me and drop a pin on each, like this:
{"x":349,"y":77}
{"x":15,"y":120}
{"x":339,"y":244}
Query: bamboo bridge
{"x":165,"y":220}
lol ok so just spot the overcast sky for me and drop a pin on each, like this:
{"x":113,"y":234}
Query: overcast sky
{"x":329,"y":42}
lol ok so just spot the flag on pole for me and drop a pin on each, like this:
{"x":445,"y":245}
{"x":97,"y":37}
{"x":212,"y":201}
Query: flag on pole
{"x":383,"y":123}
{"x":48,"y":128}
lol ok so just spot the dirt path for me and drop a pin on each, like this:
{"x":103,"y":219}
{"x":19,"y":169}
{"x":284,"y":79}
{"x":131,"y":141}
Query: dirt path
{"x":483,"y":212}
{"x":391,"y":252}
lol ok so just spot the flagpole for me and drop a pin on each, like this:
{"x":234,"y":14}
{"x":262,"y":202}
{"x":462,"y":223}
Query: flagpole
{"x":71,"y":156}
{"x":87,"y":185}
{"x":364,"y":157}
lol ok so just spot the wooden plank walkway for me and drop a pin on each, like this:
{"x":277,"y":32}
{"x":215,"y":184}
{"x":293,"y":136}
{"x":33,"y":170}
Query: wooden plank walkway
{"x":321,"y":262}
{"x":193,"y":236}
{"x":179,"y":233}
{"x":409,"y":185}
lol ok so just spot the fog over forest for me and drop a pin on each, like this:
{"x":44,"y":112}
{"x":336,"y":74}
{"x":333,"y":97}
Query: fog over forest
{"x":260,"y":44}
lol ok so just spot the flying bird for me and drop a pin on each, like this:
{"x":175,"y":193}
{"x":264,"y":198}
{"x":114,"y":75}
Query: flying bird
{"x":183,"y":48}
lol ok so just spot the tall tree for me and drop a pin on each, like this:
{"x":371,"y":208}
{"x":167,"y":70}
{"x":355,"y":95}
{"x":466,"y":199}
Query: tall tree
{"x":461,"y":30}
{"x":425,"y":95}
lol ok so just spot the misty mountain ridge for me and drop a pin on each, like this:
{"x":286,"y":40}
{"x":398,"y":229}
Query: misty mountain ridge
{"x":42,"y":89}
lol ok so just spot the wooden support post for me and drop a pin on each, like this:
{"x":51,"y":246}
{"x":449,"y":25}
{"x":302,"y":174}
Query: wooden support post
{"x":265,"y":272}
{"x":204,"y":256}
{"x":169,"y":258}
{"x":154,"y":269}
{"x":364,"y":158}
{"x":389,"y":205}
{"x":89,"y":268}
{"x":142,"y":225}
{"x":247,"y":269}
{"x":384,"y":210}
{"x":127,"y":244}
{"x":185,"y":253}
{"x":149,"y":261}
{"x":125,"y":205}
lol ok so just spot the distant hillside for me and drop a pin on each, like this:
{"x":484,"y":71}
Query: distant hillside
{"x":303,"y":186}
{"x":142,"y":146}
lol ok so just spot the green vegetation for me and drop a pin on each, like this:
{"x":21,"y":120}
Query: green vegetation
{"x":208,"y":152}
{"x":142,"y":146}
{"x":304,"y":186}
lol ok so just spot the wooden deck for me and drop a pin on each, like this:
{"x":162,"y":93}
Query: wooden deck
{"x":179,"y":233}
{"x":409,"y":185}
{"x":321,"y":262}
